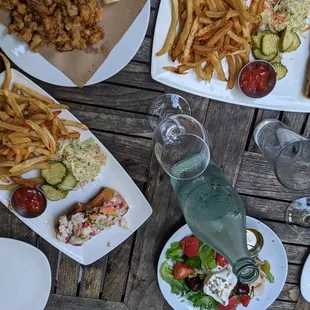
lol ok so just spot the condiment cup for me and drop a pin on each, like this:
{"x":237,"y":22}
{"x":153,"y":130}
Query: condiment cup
{"x":28,"y":213}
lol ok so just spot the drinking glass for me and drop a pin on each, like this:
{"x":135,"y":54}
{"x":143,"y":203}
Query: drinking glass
{"x":287,"y":153}
{"x":181,"y":147}
{"x":167,"y":105}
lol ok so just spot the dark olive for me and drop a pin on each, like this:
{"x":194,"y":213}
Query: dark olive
{"x":194,"y":284}
{"x":242,"y":289}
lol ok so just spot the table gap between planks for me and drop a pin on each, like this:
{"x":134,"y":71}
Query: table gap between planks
{"x":126,"y":277}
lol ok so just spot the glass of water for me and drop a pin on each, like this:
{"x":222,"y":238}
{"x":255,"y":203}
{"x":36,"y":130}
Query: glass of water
{"x":287,"y":153}
{"x":181,"y":147}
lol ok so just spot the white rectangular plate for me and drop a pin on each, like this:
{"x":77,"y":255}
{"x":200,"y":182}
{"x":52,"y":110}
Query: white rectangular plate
{"x":111,"y":175}
{"x":286,"y":96}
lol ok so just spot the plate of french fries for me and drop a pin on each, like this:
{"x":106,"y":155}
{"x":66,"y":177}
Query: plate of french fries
{"x":31,"y":124}
{"x":200,"y":47}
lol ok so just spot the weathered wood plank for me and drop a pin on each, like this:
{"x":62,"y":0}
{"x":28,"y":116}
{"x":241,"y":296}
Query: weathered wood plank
{"x":282,"y":305}
{"x":12,"y":227}
{"x":302,"y":304}
{"x":92,"y":278}
{"x":152,"y":22}
{"x":117,"y":271}
{"x":107,"y":95}
{"x":294,"y":120}
{"x":257,"y":178}
{"x":57,"y":302}
{"x":145,"y":50}
{"x":261,"y":115}
{"x":68,"y":276}
{"x":137,"y":75}
{"x":290,"y":292}
{"x":52,"y":255}
{"x":294,"y":273}
{"x":296,"y":254}
{"x":112,"y":120}
{"x":133,"y":154}
{"x":228,"y":126}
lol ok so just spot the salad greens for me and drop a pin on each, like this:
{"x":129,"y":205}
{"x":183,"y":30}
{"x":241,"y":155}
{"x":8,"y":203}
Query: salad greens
{"x":175,"y":252}
{"x":178,"y":287}
{"x":201,"y":300}
{"x":207,"y":256}
{"x":193,"y":262}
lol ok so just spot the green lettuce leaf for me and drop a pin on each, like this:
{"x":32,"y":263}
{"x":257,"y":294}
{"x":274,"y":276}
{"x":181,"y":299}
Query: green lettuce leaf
{"x":193,"y":262}
{"x":270,"y":277}
{"x":207,"y":256}
{"x":201,"y":300}
{"x":178,"y":287}
{"x":175,"y":252}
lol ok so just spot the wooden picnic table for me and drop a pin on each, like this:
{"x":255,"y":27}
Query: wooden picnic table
{"x":116,"y":112}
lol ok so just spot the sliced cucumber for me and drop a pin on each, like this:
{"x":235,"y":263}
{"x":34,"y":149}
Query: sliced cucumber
{"x":257,"y":40}
{"x":281,"y":70}
{"x":55,"y":174}
{"x":259,"y":55}
{"x":270,"y":43}
{"x":278,"y":58}
{"x":287,"y":39}
{"x":68,"y":183}
{"x":52,"y":193}
{"x":295,"y":45}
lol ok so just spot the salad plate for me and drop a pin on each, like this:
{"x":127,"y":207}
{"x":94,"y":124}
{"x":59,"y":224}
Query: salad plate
{"x":112,"y":175}
{"x":286,"y":96}
{"x":272,"y":251}
{"x":16,"y":293}
{"x":37,"y":66}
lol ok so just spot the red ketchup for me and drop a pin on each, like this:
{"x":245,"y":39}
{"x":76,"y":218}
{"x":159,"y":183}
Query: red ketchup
{"x":257,"y":79}
{"x":28,"y":202}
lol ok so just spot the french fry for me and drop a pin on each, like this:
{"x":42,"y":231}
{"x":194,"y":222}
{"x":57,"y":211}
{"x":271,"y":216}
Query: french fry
{"x":212,"y":14}
{"x":4,"y":179}
{"x":186,"y":29}
{"x":4,"y":116}
{"x":237,"y":38}
{"x":52,"y":142}
{"x":74,"y":124}
{"x":231,"y":72}
{"x":27,"y":145}
{"x":7,"y":163}
{"x":8,"y":75}
{"x":205,"y":20}
{"x":197,"y":7}
{"x":28,"y":163}
{"x":237,"y":25}
{"x":201,"y":74}
{"x":212,"y":5}
{"x":172,"y":30}
{"x":221,"y":33}
{"x":209,"y":71}
{"x":34,"y":94}
{"x":238,"y":64}
{"x":8,"y":187}
{"x":40,"y":132}
{"x":215,"y":59}
{"x":18,"y":159}
{"x":9,"y":111}
{"x":217,"y":25}
{"x":19,"y":140}
{"x":220,"y":5}
{"x":13,"y":127}
{"x":44,"y":108}
{"x":13,"y":104}
{"x":204,"y":50}
{"x":190,"y":39}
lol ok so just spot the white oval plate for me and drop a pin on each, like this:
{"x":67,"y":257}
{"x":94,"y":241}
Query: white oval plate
{"x":25,"y":274}
{"x":273,"y":251}
{"x":37,"y":66}
{"x":286,"y":96}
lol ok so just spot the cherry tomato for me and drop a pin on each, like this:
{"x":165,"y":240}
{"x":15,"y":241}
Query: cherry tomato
{"x":190,"y":246}
{"x":245,"y":300}
{"x":232,"y":305}
{"x":222,"y":261}
{"x":182,"y":271}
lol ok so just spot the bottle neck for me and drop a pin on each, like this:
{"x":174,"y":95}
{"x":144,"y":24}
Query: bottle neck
{"x":245,"y":270}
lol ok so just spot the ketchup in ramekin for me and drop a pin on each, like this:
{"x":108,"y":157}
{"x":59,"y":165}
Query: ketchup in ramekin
{"x":28,"y":202}
{"x":257,"y":79}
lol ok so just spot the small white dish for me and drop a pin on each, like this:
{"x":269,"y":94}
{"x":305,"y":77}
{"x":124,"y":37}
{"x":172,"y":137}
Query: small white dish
{"x":305,"y":280}
{"x":286,"y":96}
{"x":112,"y":175}
{"x":25,"y":274}
{"x":273,"y":251}
{"x":37,"y":66}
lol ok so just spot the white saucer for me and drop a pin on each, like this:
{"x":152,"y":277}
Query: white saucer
{"x":25,"y":276}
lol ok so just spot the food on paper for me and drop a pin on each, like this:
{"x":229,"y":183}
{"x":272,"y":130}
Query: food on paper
{"x":33,"y":136}
{"x":66,"y":24}
{"x":84,"y":221}
{"x":210,"y":31}
{"x":257,"y":79}
{"x":28,"y":202}
{"x":195,"y":271}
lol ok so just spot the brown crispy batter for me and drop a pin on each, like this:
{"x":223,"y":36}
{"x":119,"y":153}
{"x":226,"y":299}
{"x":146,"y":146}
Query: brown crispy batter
{"x":65,"y":24}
